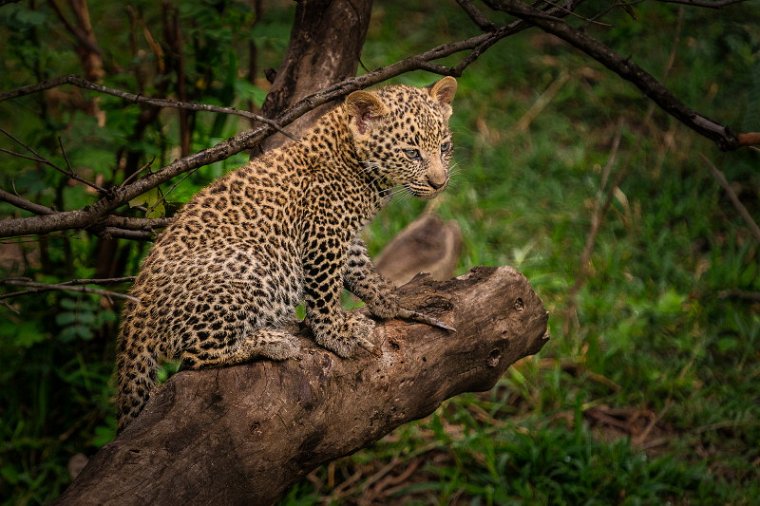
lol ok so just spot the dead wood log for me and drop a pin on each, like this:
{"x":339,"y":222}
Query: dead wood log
{"x":428,"y":244}
{"x":243,"y":434}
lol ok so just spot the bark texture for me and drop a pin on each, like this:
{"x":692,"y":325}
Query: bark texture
{"x":243,"y":434}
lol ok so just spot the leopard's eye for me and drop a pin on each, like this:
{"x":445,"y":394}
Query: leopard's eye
{"x":412,"y":154}
{"x":445,"y":147}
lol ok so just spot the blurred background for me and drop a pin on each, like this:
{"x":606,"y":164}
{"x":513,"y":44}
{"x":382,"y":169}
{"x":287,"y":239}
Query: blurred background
{"x":648,"y":392}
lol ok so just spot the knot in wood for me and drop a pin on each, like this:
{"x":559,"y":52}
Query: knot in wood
{"x":494,"y":357}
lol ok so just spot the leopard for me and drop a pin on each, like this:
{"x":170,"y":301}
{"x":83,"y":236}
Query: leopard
{"x":221,"y":283}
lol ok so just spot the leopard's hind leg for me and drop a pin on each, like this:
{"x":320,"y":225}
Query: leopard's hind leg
{"x":262,"y":342}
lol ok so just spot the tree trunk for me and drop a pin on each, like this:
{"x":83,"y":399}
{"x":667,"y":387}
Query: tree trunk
{"x":325,"y":44}
{"x":243,"y":434}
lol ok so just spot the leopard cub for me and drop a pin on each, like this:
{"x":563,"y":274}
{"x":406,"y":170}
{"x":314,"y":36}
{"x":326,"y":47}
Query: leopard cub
{"x":221,"y":282}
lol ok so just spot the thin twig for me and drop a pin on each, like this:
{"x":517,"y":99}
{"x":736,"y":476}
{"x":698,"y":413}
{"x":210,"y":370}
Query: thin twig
{"x":138,"y":99}
{"x":721,"y":178}
{"x":597,"y":218}
{"x":476,"y":16}
{"x":35,"y":287}
{"x":569,"y":11}
{"x":522,"y":124}
{"x":41,"y":159}
{"x":138,"y":171}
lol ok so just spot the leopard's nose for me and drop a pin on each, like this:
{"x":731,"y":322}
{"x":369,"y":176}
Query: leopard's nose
{"x":436,"y":182}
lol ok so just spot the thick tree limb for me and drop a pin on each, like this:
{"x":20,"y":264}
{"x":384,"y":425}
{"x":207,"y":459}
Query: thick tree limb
{"x":243,"y":434}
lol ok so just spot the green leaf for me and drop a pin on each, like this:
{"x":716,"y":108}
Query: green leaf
{"x":23,"y":334}
{"x":66,"y":318}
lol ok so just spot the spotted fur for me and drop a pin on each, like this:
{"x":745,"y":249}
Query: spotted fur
{"x":221,"y":282}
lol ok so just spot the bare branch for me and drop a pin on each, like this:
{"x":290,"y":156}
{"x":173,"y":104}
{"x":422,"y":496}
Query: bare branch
{"x":721,"y":135}
{"x":24,"y":204}
{"x":41,"y":159}
{"x":116,"y":226}
{"x":69,"y":286}
{"x":133,"y":223}
{"x":476,"y":16}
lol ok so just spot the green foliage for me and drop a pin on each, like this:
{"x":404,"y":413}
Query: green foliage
{"x":648,"y":391}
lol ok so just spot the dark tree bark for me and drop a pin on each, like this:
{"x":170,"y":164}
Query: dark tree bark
{"x":243,"y":434}
{"x":325,"y":45}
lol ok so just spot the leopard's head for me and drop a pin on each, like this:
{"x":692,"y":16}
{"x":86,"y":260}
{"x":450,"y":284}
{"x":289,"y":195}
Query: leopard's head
{"x":401,"y":135}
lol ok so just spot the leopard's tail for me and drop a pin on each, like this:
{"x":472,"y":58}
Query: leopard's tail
{"x":136,"y":369}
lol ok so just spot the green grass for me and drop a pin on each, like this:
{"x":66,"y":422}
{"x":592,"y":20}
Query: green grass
{"x":648,"y":392}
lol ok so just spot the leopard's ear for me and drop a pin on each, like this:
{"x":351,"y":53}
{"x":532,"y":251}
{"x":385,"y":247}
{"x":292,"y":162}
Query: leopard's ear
{"x":443,"y":91}
{"x":364,"y":108}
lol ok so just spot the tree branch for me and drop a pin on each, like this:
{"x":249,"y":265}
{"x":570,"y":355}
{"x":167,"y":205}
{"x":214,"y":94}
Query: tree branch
{"x":476,"y":16}
{"x":721,"y":135}
{"x":24,"y":204}
{"x":340,"y":25}
{"x":243,"y":434}
{"x":128,"y":227}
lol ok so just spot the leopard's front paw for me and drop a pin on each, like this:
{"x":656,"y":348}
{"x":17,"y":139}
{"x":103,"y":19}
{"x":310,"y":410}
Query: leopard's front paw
{"x":386,"y":306}
{"x":345,"y":338}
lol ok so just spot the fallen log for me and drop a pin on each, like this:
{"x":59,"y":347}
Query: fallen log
{"x":243,"y":434}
